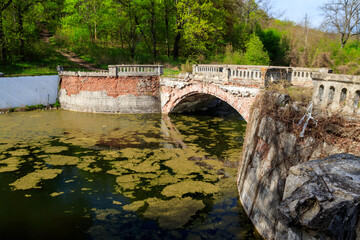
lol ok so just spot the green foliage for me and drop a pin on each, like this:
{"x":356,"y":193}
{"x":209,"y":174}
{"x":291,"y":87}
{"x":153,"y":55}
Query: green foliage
{"x":179,"y":32}
{"x":34,"y":107}
{"x":255,"y":53}
{"x":57,"y":104}
{"x":187,"y":67}
{"x":201,"y":26}
{"x":232,"y":56}
{"x":275,"y":44}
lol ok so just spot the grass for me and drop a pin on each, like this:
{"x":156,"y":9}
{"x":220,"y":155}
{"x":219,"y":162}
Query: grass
{"x":296,"y":93}
{"x":168,"y":72}
{"x":41,"y":59}
{"x":32,"y":107}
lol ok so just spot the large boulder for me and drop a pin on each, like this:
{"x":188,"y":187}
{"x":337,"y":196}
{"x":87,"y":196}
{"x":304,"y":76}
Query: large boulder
{"x":321,"y":198}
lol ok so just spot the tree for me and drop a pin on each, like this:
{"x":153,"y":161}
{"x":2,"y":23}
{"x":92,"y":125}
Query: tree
{"x":342,"y":16}
{"x":4,"y":4}
{"x":199,"y":25}
{"x":255,"y":53}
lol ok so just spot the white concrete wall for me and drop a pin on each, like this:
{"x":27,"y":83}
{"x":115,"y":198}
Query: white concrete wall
{"x":22,"y":91}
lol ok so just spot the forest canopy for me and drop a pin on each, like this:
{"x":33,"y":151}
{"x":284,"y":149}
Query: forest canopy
{"x":165,"y":31}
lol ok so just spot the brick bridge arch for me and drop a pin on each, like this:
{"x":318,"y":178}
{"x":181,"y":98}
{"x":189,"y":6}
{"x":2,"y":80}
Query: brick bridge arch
{"x":241,"y":101}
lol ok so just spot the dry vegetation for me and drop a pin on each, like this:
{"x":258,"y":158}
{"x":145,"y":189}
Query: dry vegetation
{"x":336,"y":130}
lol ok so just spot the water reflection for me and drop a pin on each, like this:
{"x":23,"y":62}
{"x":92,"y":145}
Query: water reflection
{"x":98,"y":176}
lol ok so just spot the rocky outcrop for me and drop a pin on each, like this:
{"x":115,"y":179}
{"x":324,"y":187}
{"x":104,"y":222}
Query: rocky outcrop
{"x":323,"y":197}
{"x":269,"y":152}
{"x":272,"y":147}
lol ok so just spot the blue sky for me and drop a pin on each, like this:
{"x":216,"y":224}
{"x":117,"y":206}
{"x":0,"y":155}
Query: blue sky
{"x":295,"y":10}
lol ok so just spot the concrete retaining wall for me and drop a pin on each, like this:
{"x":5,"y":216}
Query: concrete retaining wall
{"x":111,"y":94}
{"x":22,"y":91}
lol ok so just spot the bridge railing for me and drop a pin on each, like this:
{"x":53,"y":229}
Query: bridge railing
{"x":337,"y":93}
{"x":136,"y":70}
{"x":119,"y":70}
{"x":261,"y":75}
{"x":209,"y":69}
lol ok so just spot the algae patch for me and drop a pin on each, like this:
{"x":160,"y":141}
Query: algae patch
{"x":134,"y":206}
{"x":55,"y":149}
{"x":174,"y":213}
{"x":55,"y":194}
{"x":19,"y":153}
{"x":61,"y":160}
{"x":11,"y":164}
{"x":31,"y":180}
{"x":181,"y":188}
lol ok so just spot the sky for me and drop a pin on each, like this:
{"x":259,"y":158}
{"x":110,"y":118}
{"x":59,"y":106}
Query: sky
{"x":295,"y":10}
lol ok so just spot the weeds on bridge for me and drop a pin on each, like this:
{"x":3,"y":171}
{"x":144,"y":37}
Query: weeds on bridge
{"x":336,"y":130}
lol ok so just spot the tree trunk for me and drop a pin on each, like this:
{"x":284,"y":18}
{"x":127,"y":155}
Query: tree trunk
{"x":176,"y":45}
{"x":2,"y":43}
{"x":21,"y":30}
{"x":153,"y":29}
{"x":132,"y":51}
{"x":167,"y":32}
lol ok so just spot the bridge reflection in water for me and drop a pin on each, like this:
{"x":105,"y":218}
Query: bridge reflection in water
{"x":99,"y":176}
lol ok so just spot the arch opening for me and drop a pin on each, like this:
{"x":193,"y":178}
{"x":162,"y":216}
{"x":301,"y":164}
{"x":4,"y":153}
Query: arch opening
{"x":321,"y":93}
{"x":205,"y":104}
{"x":331,"y":94}
{"x":357,"y":100}
{"x":343,"y":96}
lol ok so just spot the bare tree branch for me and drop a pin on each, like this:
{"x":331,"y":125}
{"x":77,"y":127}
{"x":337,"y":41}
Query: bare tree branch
{"x":343,"y":17}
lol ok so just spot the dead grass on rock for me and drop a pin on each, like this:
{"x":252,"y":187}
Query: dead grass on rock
{"x":335,"y":130}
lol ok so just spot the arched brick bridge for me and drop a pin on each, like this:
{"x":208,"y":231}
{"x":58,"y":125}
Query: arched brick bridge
{"x":139,"y":88}
{"x":178,"y":91}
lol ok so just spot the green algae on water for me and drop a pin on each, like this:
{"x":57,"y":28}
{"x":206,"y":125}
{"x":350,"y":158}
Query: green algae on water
{"x":31,"y":180}
{"x":55,"y":149}
{"x":170,"y":214}
{"x":174,"y":213}
{"x":184,"y":187}
{"x":10,"y":164}
{"x":55,"y":194}
{"x":20,"y":152}
{"x":61,"y":160}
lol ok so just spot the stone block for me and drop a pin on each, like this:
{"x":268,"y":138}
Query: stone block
{"x":324,"y":195}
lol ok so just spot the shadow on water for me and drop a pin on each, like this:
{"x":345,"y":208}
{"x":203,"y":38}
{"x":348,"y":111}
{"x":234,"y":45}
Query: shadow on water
{"x":97,"y":176}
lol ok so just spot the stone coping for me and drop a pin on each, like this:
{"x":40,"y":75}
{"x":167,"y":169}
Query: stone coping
{"x":231,"y":66}
{"x":139,"y":65}
{"x":128,"y":70}
{"x":336,"y":78}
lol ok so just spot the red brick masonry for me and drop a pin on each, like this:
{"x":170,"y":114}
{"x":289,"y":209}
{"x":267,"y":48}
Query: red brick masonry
{"x":114,"y":86}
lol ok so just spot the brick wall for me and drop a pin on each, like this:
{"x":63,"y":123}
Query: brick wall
{"x":114,"y":86}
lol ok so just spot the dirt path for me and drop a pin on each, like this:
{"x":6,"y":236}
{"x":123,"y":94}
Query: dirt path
{"x":72,"y":57}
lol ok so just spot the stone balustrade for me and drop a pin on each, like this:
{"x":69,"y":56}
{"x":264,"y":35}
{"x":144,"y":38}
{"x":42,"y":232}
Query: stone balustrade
{"x":120,"y":70}
{"x":338,"y":93}
{"x":261,"y":75}
{"x":136,"y":70}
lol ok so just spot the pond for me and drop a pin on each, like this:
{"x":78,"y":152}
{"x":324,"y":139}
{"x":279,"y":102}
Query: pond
{"x":68,"y":175}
